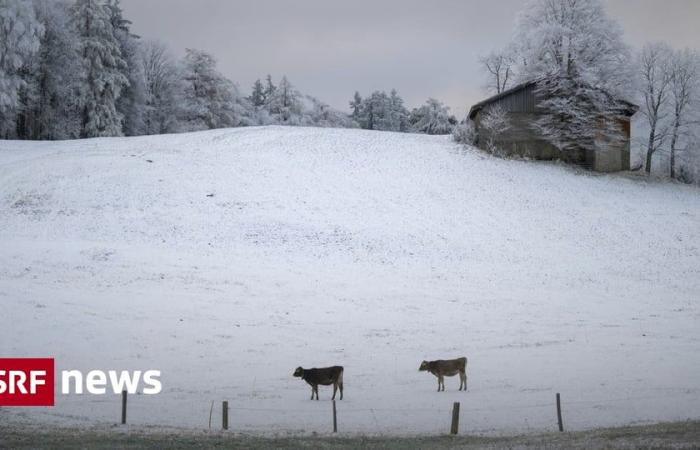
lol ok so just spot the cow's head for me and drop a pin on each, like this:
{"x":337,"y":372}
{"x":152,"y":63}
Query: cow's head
{"x":423,"y":366}
{"x":299,"y":372}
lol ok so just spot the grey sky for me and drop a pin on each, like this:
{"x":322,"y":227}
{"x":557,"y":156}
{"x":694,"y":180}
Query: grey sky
{"x":330,"y":48}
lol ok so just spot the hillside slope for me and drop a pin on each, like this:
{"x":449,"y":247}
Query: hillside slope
{"x":227,"y":258}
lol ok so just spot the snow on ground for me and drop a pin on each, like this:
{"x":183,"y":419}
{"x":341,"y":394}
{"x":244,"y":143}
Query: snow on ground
{"x":227,"y":258}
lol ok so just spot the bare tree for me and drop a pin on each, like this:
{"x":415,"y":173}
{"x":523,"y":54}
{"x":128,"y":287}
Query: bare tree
{"x":655,"y":88}
{"x":499,"y":68}
{"x":683,"y":89}
{"x":163,"y":88}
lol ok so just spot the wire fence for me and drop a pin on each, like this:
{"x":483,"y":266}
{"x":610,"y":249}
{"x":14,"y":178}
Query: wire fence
{"x":319,"y":417}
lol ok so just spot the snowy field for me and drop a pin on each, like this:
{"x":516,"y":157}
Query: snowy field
{"x":227,"y":258}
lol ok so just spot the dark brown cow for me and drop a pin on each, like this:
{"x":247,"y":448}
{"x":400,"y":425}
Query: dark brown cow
{"x":448,"y":367}
{"x":326,"y":377}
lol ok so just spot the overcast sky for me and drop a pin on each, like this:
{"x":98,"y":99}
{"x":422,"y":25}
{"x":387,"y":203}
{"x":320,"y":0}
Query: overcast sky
{"x":331,"y":48}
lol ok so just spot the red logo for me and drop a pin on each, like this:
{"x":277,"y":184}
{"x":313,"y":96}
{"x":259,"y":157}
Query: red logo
{"x":26,"y":382}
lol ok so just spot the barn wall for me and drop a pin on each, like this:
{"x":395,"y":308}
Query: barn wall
{"x":524,"y":141}
{"x":614,"y":155}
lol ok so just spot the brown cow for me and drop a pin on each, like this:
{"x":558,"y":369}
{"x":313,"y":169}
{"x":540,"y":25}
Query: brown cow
{"x":326,"y":377}
{"x":449,"y":367}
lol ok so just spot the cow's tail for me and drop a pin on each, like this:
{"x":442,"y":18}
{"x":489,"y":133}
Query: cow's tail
{"x":340,"y":378}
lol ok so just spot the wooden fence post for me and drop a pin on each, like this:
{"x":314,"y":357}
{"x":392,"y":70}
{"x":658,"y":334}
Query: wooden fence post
{"x":455,"y":418}
{"x":335,"y":419}
{"x":224,"y":415}
{"x":561,"y":424}
{"x":124,"y":407}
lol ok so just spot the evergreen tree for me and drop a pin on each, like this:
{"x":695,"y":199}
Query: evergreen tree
{"x":285,"y":105}
{"x":257,"y":96}
{"x":20,"y":34}
{"x":270,"y":88}
{"x":103,"y":68}
{"x":398,"y":114}
{"x":52,"y":109}
{"x":356,"y":107}
{"x":131,"y":102}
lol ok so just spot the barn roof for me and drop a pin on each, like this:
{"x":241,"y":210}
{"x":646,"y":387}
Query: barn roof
{"x":628,"y":107}
{"x":476,"y":108}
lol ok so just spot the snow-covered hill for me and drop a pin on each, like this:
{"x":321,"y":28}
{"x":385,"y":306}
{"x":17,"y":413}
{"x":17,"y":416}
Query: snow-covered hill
{"x":227,"y":258}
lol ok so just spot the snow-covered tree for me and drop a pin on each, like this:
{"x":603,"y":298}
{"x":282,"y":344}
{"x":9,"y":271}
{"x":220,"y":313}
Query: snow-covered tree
{"x":375,"y":113}
{"x":684,"y":93}
{"x":131,"y":102}
{"x":398,"y":114}
{"x":163,"y":89}
{"x":356,"y":107}
{"x":655,"y":89}
{"x":322,"y":115}
{"x":579,"y":55}
{"x":20,"y":34}
{"x":257,"y":96}
{"x":431,"y":118}
{"x":464,"y":132}
{"x":285,"y":104}
{"x":494,"y":121}
{"x":51,"y":107}
{"x":270,"y":88}
{"x":210,"y":100}
{"x":103,"y":69}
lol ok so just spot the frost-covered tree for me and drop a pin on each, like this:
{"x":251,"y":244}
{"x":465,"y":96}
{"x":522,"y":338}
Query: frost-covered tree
{"x":131,"y":102}
{"x":322,"y":115}
{"x":20,"y":34}
{"x":431,"y":118}
{"x":257,"y":96}
{"x":495,"y":121}
{"x":499,"y":67}
{"x":684,"y":92}
{"x":356,"y":107}
{"x":209,"y":98}
{"x":655,"y":89}
{"x":51,"y":107}
{"x":284,"y":104}
{"x":376,"y":112}
{"x":103,"y":69}
{"x":398,"y":114}
{"x":270,"y":87}
{"x":464,"y":132}
{"x":578,"y":54}
{"x":163,"y":89}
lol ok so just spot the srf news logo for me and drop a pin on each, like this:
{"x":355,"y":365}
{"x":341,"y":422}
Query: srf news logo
{"x":26,"y":382}
{"x":30,"y":381}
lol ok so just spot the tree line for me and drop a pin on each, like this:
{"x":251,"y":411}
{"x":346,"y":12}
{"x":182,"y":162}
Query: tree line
{"x":587,"y":68}
{"x":74,"y":69}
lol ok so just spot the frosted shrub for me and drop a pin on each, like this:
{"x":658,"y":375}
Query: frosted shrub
{"x":464,"y":133}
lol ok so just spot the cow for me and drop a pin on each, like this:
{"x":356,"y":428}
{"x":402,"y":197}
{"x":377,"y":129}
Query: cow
{"x":449,"y":367}
{"x":326,"y":377}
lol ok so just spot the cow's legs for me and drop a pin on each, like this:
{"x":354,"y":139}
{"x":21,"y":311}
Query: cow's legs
{"x":441,"y":381}
{"x":335,"y":389}
{"x":312,"y":392}
{"x":316,"y":389}
{"x":340,"y":385}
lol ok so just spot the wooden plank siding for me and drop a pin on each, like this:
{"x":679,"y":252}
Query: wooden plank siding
{"x":523,"y":140}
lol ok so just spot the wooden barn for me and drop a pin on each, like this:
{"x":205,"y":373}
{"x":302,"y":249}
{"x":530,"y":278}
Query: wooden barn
{"x":521,"y":138}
